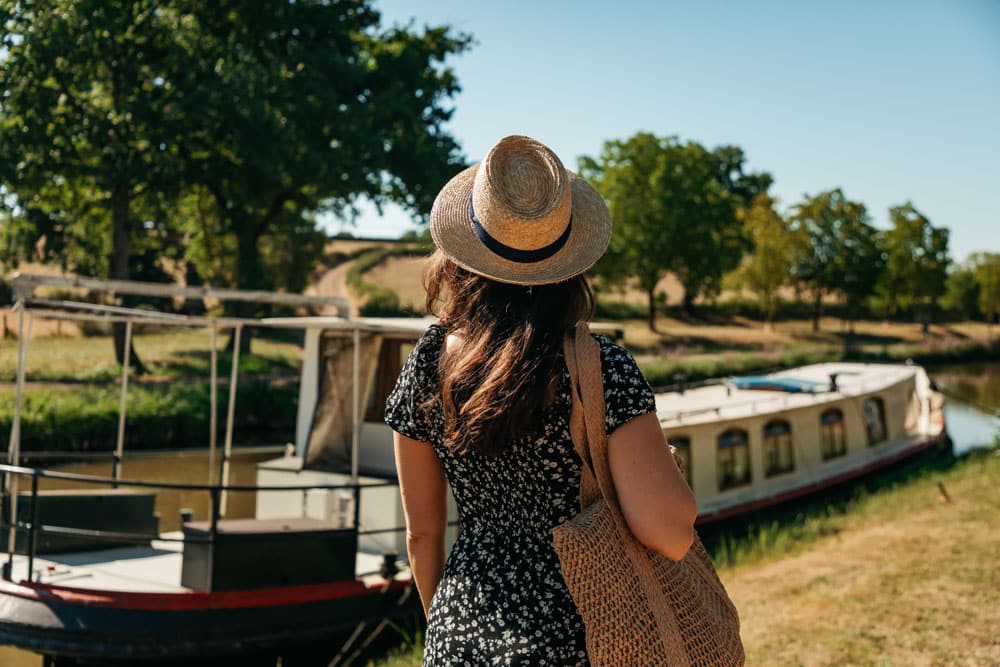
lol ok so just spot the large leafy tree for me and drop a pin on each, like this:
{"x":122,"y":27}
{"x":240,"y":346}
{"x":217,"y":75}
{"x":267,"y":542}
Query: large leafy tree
{"x":916,"y":269}
{"x":295,"y":107}
{"x":81,"y":135}
{"x":844,"y":253}
{"x":672,"y":212}
{"x":120,"y":118}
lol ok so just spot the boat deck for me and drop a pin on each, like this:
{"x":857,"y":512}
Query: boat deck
{"x":725,"y":401}
{"x":142,"y":569}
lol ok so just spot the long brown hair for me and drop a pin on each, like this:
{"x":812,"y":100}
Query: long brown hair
{"x":497,"y":380}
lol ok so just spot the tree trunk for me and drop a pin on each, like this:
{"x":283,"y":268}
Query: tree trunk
{"x":119,"y":264}
{"x":249,"y":275}
{"x":651,"y":297}
{"x":817,"y":306}
{"x":768,"y":312}
{"x":688,"y":303}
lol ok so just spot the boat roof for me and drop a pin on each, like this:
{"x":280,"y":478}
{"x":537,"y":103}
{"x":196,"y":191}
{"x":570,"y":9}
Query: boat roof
{"x":771,"y":393}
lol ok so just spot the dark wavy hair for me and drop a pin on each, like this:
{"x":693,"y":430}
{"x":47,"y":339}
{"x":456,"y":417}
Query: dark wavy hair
{"x":497,"y":381}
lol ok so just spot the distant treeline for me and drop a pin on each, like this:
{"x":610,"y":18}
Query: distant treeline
{"x":698,"y":213}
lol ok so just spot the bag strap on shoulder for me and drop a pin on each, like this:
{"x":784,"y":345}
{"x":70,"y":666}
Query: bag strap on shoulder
{"x":587,"y":420}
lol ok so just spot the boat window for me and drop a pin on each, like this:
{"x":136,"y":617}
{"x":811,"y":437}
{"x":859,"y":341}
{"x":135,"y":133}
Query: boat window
{"x":734,"y":459}
{"x":831,"y":434}
{"x":683,"y":445}
{"x":874,"y":411}
{"x":390,"y":361}
{"x":778,"y":455}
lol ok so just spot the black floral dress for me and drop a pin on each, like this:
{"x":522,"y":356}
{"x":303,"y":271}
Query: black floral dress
{"x":502,"y":599}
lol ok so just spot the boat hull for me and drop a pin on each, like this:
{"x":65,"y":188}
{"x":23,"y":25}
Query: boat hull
{"x":928,"y":446}
{"x":124,"y":626}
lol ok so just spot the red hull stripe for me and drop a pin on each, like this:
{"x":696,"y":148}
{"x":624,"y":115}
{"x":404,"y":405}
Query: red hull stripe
{"x":194,"y":600}
{"x":817,"y":486}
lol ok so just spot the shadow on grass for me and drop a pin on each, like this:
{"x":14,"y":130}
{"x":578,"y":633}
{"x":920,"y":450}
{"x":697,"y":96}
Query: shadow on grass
{"x":782,"y":529}
{"x":197,"y":363}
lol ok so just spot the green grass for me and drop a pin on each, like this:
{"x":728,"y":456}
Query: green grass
{"x":170,"y":415}
{"x":174,"y":353}
{"x":884,"y":497}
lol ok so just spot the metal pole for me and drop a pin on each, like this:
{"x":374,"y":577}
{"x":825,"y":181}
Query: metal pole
{"x":213,"y":420}
{"x":213,"y":529}
{"x":33,"y":528}
{"x":116,"y":466}
{"x":355,"y":417}
{"x":228,"y":448}
{"x":14,"y":448}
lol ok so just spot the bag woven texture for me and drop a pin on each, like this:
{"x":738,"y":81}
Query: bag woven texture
{"x":639,"y":607}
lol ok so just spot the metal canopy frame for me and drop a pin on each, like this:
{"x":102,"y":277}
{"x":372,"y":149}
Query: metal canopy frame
{"x":28,"y":305}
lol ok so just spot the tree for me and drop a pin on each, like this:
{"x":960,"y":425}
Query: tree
{"x":291,"y":108}
{"x":120,"y":112}
{"x":988,"y":279}
{"x":81,"y":131}
{"x":962,"y":292}
{"x":916,"y":269}
{"x":736,"y":179}
{"x":671,"y":212}
{"x":843,"y":254}
{"x":775,"y":248}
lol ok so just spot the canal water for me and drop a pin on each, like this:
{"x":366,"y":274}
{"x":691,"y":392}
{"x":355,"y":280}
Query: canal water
{"x":971,"y":413}
{"x":972,"y":406}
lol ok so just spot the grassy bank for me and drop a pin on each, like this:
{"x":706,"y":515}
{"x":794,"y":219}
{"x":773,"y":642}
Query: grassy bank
{"x":893,"y":575}
{"x":160,"y":416}
{"x":173,"y":353}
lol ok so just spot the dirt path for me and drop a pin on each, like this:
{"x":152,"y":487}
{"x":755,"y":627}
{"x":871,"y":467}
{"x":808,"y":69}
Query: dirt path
{"x":334,"y":283}
{"x":922,"y":589}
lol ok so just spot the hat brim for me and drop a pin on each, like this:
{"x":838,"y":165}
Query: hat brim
{"x":453,"y":234}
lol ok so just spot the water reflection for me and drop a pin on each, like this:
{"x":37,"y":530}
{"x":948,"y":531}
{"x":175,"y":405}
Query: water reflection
{"x":973,"y":403}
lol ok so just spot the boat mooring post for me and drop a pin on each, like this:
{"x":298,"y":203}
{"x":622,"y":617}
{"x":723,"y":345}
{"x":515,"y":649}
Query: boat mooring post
{"x":116,"y":465}
{"x":14,"y":447}
{"x":213,"y":399}
{"x":230,"y":413}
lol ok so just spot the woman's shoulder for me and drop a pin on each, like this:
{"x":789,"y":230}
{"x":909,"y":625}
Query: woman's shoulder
{"x":612,"y":354}
{"x":428,"y":346}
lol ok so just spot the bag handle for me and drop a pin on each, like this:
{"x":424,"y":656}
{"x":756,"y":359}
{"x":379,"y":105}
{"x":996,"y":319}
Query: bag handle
{"x":587,"y":420}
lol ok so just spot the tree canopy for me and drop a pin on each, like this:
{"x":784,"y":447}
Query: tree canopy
{"x":916,"y":267}
{"x":843,"y":254}
{"x":775,"y":246}
{"x":675,"y":208}
{"x":222,"y":127}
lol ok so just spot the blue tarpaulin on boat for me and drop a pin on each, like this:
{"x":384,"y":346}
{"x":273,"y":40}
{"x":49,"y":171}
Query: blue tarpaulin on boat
{"x":772,"y":383}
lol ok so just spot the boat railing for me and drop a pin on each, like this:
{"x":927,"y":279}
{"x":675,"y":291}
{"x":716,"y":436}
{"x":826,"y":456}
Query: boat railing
{"x":32,"y":528}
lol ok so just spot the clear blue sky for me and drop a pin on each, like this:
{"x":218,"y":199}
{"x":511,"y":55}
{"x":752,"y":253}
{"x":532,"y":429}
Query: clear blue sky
{"x":890,"y":100}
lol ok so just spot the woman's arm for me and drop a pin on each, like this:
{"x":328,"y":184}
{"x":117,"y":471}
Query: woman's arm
{"x":423,"y":486}
{"x":657,"y":503}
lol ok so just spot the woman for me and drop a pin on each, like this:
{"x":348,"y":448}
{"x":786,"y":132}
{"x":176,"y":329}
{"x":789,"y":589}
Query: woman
{"x":483,"y":404}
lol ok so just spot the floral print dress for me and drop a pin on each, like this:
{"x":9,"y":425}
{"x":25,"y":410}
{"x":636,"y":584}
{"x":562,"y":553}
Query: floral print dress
{"x":502,"y":599}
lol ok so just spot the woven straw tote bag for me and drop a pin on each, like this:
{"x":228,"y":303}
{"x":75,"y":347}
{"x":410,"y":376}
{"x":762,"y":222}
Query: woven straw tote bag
{"x":639,"y":608}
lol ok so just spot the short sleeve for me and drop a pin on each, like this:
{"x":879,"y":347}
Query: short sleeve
{"x":406,"y":409}
{"x":627,"y":393}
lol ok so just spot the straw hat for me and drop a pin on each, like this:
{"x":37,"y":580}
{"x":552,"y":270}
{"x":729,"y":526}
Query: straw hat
{"x":520,"y":217}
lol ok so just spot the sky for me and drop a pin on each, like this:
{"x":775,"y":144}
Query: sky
{"x":891,"y":101}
